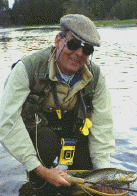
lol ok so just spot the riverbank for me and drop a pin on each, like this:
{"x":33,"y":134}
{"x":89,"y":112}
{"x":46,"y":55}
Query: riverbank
{"x":115,"y":23}
{"x":130,"y":22}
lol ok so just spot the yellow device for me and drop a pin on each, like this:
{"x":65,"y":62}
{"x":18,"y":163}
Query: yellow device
{"x":87,"y":124}
{"x":67,"y":151}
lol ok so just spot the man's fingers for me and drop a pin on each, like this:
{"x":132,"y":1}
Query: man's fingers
{"x":66,"y":183}
{"x":58,"y":179}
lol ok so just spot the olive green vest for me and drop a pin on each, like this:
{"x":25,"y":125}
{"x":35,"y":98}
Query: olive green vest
{"x":40,"y":84}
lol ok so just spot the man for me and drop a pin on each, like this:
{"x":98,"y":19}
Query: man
{"x":49,"y":95}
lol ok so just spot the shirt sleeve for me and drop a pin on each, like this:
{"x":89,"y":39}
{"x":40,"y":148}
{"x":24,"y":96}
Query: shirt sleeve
{"x":101,"y":137}
{"x":13,"y":134}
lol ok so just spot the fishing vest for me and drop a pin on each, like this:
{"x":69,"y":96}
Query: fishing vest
{"x":40,"y":85}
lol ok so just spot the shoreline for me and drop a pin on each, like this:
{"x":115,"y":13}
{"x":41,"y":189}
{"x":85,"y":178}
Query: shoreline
{"x":117,"y":23}
{"x":98,"y":23}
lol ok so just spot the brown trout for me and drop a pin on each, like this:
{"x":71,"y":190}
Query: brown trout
{"x":111,"y":176}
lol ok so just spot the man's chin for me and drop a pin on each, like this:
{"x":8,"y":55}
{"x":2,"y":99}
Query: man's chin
{"x":74,"y":67}
{"x":72,"y":71}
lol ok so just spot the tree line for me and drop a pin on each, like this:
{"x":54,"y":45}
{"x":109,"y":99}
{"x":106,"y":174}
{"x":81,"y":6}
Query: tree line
{"x":37,"y":12}
{"x":41,"y":12}
{"x":104,"y":9}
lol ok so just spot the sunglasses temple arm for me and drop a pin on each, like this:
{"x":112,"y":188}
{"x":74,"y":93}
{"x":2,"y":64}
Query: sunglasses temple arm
{"x":60,"y":52}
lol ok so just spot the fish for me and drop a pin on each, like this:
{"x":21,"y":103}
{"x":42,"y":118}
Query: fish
{"x":111,"y":176}
{"x":93,"y":179}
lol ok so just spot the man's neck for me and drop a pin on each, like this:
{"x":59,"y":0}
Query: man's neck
{"x":65,"y":77}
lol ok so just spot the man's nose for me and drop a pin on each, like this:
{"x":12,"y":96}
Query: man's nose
{"x":79,"y":51}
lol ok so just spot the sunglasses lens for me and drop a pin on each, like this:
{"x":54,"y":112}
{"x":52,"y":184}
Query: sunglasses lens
{"x":87,"y":50}
{"x":73,"y":45}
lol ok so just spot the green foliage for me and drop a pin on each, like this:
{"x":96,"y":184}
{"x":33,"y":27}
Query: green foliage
{"x":78,"y":7}
{"x":109,"y":4}
{"x":15,"y":13}
{"x":125,"y":9}
{"x":4,"y":13}
{"x":4,"y":5}
{"x":98,"y":9}
{"x":34,"y":12}
{"x":90,"y":8}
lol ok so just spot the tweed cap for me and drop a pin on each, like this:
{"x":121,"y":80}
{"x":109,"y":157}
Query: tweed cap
{"x":81,"y":27}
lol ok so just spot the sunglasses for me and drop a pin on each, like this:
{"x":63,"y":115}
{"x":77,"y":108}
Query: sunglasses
{"x":74,"y":44}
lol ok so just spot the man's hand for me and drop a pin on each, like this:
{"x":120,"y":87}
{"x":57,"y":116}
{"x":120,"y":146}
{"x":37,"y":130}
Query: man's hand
{"x":53,"y":176}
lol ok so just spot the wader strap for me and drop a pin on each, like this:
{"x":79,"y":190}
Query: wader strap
{"x":56,"y":101}
{"x":55,"y":96}
{"x":83,"y":104}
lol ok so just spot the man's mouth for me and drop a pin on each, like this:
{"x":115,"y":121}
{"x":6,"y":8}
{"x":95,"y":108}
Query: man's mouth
{"x":75,"y":60}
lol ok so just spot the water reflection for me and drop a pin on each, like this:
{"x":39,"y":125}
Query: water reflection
{"x":16,"y":44}
{"x":118,"y":59}
{"x":4,"y":39}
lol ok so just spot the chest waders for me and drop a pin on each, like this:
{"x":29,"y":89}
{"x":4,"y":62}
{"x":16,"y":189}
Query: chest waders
{"x":61,"y":125}
{"x":47,"y":139}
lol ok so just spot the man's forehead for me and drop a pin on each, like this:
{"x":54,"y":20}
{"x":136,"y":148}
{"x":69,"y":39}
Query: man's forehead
{"x":69,"y":34}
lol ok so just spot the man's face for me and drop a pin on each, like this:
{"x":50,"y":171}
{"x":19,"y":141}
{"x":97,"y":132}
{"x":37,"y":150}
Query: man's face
{"x":70,"y":61}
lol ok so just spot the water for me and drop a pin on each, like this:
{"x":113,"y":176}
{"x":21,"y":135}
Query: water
{"x":117,"y":57}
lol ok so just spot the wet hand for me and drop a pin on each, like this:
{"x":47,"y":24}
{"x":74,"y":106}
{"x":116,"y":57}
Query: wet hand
{"x":53,"y":176}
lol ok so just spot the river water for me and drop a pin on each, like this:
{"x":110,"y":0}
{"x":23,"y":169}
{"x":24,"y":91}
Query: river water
{"x":117,"y":57}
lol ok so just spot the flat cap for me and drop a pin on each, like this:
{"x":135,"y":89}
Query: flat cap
{"x":81,"y":27}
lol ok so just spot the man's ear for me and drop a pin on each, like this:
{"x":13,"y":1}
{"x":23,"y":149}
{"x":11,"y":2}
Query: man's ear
{"x":57,"y":40}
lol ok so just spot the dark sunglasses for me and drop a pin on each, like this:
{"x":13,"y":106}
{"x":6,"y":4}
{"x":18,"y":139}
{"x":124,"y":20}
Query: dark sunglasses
{"x":74,"y":44}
